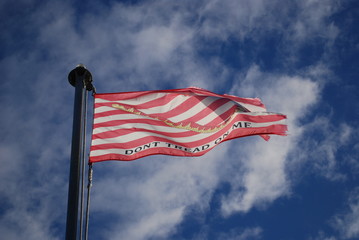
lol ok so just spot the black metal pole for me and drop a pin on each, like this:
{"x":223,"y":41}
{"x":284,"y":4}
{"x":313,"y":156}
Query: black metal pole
{"x":81,"y":79}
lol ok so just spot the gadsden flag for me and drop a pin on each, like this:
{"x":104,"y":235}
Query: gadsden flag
{"x":178,"y":122}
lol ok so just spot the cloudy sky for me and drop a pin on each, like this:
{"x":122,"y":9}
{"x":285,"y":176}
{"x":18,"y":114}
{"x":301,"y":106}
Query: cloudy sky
{"x":300,"y":57}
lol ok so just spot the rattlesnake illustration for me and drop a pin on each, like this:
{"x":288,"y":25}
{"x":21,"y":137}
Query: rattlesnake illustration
{"x":187,"y":126}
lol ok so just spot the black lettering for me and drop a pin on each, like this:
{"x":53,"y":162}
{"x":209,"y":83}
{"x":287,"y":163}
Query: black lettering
{"x":218,"y":140}
{"x":146,"y":146}
{"x":204,"y":147}
{"x":196,"y":150}
{"x":138,"y":149}
{"x":241,"y":125}
{"x":178,"y":147}
{"x":237,"y":125}
{"x":128,"y":152}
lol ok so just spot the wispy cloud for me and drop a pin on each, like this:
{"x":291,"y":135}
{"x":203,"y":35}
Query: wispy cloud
{"x":246,"y":234}
{"x":347,"y":222}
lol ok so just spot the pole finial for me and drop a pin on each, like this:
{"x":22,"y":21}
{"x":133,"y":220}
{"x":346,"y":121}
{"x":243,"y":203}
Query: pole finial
{"x":81,"y":70}
{"x":81,"y":65}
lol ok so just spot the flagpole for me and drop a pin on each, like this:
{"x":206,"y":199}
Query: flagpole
{"x":81,"y":79}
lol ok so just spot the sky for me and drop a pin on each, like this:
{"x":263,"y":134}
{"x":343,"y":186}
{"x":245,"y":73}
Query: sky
{"x":300,"y":57}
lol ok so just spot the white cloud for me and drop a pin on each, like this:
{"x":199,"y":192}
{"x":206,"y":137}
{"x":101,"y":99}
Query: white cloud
{"x":352,"y":159}
{"x":311,"y":20}
{"x":347,"y":223}
{"x":263,"y":180}
{"x":246,"y":234}
{"x":292,"y":95}
{"x":323,"y":236}
{"x":265,"y":176}
{"x":29,"y":192}
{"x":162,"y":191}
{"x":222,"y":19}
{"x":327,"y":140}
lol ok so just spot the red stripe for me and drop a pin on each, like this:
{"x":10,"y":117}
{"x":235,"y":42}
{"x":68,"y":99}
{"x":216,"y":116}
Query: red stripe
{"x":239,"y":117}
{"x":114,"y":123}
{"x":278,"y":129}
{"x":118,"y":123}
{"x":151,"y":103}
{"x":186,"y":105}
{"x":145,"y":153}
{"x":208,"y":110}
{"x":222,"y":118}
{"x":121,"y":96}
{"x":183,"y":107}
{"x":121,"y":132}
{"x":212,"y":137}
{"x":252,"y":101}
{"x":109,"y":113}
{"x":146,"y":140}
{"x":129,"y":95}
{"x":196,"y":96}
{"x":157,"y":102}
{"x":179,"y":109}
{"x":274,"y":129}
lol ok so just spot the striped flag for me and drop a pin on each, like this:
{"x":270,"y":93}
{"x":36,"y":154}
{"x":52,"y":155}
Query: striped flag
{"x":178,"y":122}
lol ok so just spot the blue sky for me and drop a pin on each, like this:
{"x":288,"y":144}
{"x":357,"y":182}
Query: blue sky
{"x":299,"y":57}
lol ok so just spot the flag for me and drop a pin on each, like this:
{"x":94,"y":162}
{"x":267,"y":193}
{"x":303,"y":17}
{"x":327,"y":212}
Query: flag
{"x":178,"y":122}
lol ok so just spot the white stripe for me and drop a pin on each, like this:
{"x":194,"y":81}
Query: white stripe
{"x":130,"y":117}
{"x":175,"y":102}
{"x":194,"y":110}
{"x":100,"y":152}
{"x":259,"y":113}
{"x":103,"y":109}
{"x":164,"y":108}
{"x":159,"y":109}
{"x":138,"y":127}
{"x":138,"y":135}
{"x":185,"y":115}
{"x":119,"y":117}
{"x":207,"y":119}
{"x":152,"y":96}
{"x":253,"y":108}
{"x":95,"y":153}
{"x":202,"y":122}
